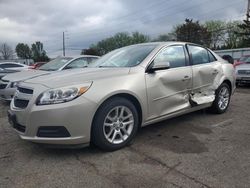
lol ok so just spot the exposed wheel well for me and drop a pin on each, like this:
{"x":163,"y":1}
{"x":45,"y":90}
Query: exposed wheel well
{"x":228,"y":82}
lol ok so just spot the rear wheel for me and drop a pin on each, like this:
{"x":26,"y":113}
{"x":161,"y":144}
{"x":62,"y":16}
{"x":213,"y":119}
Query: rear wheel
{"x":222,"y":99}
{"x":115,"y":124}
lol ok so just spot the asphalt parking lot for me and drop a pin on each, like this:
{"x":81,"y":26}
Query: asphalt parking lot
{"x":195,"y":150}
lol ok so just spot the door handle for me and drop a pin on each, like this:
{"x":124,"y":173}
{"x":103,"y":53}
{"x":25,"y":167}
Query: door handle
{"x":186,"y":78}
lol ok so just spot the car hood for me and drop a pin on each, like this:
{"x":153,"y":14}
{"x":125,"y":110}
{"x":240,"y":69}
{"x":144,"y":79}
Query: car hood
{"x":24,"y":75}
{"x":77,"y":76}
{"x":243,"y":67}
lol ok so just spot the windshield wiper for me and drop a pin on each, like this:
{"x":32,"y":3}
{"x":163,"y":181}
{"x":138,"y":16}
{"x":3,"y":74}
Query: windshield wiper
{"x":104,"y":66}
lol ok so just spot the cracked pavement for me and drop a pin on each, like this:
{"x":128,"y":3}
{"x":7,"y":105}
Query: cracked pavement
{"x":195,"y":150}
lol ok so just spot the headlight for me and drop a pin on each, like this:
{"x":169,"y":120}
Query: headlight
{"x":14,"y":84}
{"x":61,"y":95}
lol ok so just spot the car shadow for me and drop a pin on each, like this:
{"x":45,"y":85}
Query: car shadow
{"x":179,"y":135}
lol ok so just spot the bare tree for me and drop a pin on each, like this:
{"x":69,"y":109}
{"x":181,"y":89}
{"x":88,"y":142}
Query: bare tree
{"x":6,"y":51}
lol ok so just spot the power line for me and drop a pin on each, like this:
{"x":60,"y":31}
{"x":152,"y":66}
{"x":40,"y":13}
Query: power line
{"x":165,"y":17}
{"x":158,"y":19}
{"x":89,"y":33}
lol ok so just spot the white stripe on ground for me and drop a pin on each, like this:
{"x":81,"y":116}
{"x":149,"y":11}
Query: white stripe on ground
{"x":223,"y":123}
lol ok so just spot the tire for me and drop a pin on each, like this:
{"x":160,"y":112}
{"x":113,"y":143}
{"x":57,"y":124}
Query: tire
{"x":216,"y":107}
{"x":109,"y":120}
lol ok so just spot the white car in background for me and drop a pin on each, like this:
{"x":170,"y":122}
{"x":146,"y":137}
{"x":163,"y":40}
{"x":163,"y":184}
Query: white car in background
{"x":242,"y":72}
{"x":14,"y":66}
{"x":4,"y":72}
{"x":8,"y":83}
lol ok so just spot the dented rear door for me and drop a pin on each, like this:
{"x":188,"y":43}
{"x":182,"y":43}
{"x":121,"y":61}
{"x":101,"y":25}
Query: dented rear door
{"x":168,"y":90}
{"x":207,"y":72}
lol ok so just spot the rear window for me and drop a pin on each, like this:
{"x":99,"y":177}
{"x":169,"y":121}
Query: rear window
{"x":10,"y":65}
{"x":199,"y":55}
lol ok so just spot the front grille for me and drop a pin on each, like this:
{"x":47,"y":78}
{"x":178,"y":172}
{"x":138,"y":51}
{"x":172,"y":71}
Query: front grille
{"x":25,"y":90}
{"x":3,"y":86}
{"x":246,"y":72}
{"x":20,"y":103}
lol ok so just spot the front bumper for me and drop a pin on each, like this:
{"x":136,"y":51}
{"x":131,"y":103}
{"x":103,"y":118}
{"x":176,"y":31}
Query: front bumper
{"x":7,"y":93}
{"x":75,"y":116}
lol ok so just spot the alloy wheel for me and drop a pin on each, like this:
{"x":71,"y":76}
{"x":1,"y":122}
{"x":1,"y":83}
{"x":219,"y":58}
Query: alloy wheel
{"x":118,"y":124}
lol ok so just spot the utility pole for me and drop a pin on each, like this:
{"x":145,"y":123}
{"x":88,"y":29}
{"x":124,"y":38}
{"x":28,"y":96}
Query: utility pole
{"x":248,"y":10}
{"x":63,"y":44}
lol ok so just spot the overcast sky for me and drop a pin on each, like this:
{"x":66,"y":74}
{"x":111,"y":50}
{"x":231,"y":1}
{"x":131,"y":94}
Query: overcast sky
{"x":88,"y":21}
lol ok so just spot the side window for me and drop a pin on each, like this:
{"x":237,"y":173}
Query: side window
{"x":211,"y":57}
{"x":199,"y":55}
{"x":175,"y":55}
{"x":92,"y":59}
{"x":78,"y":63}
{"x":10,"y":65}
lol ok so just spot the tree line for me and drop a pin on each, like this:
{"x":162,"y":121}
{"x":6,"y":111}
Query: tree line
{"x":214,"y":34}
{"x":23,"y":51}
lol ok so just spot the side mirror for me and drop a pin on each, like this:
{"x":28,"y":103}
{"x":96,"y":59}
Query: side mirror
{"x":158,"y":66}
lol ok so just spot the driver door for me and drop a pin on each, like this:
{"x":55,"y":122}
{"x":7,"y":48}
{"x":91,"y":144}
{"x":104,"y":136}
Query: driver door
{"x":168,"y":90}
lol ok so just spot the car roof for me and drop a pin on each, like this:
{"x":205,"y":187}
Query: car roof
{"x":78,"y":56}
{"x":158,"y":44}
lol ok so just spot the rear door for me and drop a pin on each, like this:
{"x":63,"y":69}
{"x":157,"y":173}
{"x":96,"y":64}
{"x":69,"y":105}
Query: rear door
{"x":206,"y":69}
{"x":168,"y":90}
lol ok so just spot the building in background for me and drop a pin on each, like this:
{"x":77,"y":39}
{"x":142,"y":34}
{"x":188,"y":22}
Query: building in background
{"x":235,"y":53}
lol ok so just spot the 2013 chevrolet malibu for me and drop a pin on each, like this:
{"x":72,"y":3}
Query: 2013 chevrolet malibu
{"x":128,"y":88}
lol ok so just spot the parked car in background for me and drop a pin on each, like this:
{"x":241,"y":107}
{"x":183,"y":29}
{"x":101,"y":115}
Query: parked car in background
{"x":128,"y":88}
{"x":14,"y":66}
{"x":9,"y":83}
{"x":4,"y":72}
{"x":243,"y":60}
{"x":242,"y":72}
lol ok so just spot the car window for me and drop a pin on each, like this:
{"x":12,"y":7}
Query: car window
{"x":175,"y":55}
{"x":247,"y":60}
{"x":10,"y":65}
{"x":199,"y":55}
{"x":55,"y":64}
{"x":92,"y":59}
{"x":211,"y":57}
{"x":78,"y":63}
{"x":125,"y":57}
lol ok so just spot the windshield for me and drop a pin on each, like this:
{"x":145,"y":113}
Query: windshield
{"x":124,"y":57}
{"x":245,"y":59}
{"x":55,"y":64}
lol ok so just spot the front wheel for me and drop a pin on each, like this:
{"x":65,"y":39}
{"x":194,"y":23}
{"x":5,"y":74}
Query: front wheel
{"x":115,"y":124}
{"x":222,"y":99}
